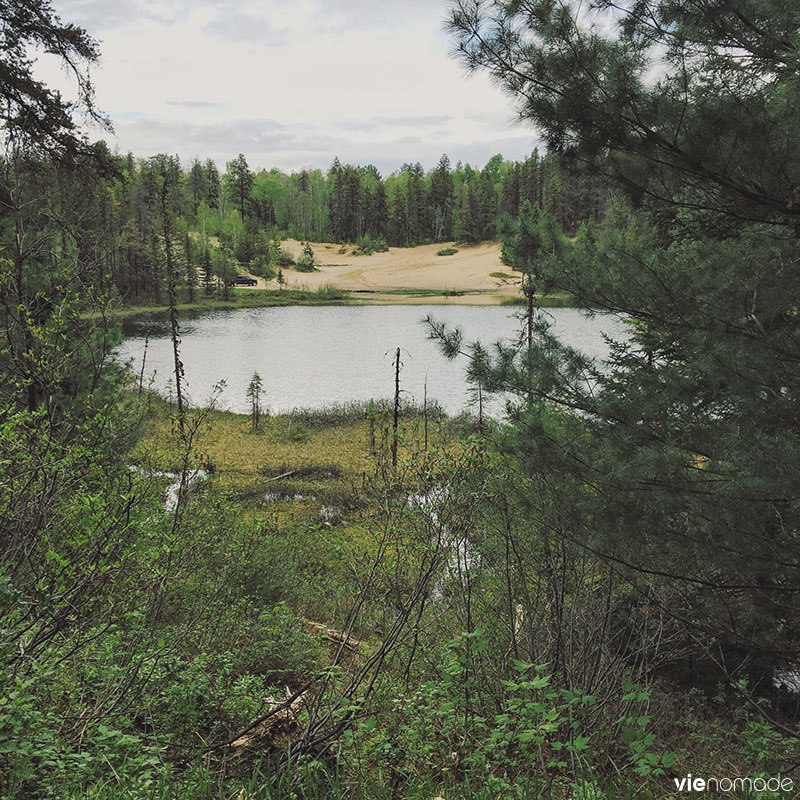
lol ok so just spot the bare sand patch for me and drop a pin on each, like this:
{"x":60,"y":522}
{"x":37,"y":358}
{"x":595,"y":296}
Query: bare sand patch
{"x":408,"y":268}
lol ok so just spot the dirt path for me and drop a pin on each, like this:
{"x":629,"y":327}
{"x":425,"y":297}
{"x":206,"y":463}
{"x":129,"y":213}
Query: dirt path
{"x":408,"y":268}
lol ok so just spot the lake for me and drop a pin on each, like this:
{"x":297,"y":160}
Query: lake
{"x":315,"y":356}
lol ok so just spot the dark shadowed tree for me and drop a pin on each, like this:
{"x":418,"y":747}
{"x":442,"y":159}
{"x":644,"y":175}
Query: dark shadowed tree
{"x":239,"y":185}
{"x":34,"y":117}
{"x":680,"y":460}
{"x":212,"y":176}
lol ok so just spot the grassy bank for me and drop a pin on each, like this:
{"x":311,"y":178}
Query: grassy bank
{"x":241,"y":298}
{"x":326,"y":295}
{"x":544,"y":301}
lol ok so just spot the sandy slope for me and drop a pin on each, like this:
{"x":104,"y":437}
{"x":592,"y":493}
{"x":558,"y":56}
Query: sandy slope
{"x":408,"y":268}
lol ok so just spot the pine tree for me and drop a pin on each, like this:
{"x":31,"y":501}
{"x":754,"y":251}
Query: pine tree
{"x":255,"y":390}
{"x":680,"y":461}
{"x":415,"y":197}
{"x":375,"y":208}
{"x":36,"y":120}
{"x":198,"y":184}
{"x":212,"y":176}
{"x":399,"y":226}
{"x":486,"y":202}
{"x":442,"y":199}
{"x":168,"y":170}
{"x":239,"y":185}
{"x":469,"y":221}
{"x":336,"y":201}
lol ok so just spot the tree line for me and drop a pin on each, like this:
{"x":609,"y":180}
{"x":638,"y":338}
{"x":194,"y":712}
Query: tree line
{"x":223,"y":221}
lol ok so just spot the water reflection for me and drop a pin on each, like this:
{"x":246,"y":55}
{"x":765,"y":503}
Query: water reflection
{"x":311,"y":357}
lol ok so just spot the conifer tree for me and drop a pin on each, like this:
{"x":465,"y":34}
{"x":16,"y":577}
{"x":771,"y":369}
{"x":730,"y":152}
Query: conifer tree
{"x":442,"y":199}
{"x":255,"y":390}
{"x":399,"y":226}
{"x":239,"y":185}
{"x":679,"y":461}
{"x":212,"y":176}
{"x":198,"y":184}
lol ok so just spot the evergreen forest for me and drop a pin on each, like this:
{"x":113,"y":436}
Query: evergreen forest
{"x":222,"y":223}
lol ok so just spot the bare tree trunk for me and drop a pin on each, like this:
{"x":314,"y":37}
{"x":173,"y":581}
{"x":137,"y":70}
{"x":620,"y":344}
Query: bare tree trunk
{"x":144,"y":359}
{"x":173,"y":301}
{"x":529,"y":292}
{"x":22,"y":312}
{"x":396,"y":407}
{"x":425,"y":413}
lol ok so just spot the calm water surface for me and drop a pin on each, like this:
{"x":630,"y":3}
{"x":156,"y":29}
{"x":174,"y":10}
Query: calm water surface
{"x":310,"y":357}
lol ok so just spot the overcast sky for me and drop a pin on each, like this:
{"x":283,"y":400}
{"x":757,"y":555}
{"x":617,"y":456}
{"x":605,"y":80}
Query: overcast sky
{"x":292,"y":83}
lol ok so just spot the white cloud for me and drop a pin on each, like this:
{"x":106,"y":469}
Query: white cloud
{"x":292,"y":83}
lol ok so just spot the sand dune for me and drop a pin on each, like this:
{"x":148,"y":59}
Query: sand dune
{"x":404,"y":268}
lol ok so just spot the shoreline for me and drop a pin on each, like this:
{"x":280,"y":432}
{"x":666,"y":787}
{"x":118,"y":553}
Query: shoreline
{"x":274,"y":299}
{"x":473,"y":276}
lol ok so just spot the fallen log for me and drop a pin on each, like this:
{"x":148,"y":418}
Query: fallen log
{"x":335,"y":637}
{"x":275,"y":729}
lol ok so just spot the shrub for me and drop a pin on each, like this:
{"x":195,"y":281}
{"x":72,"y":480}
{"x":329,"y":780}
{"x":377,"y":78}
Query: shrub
{"x":263,"y":270}
{"x":366,"y":245}
{"x":306,"y":262}
{"x":279,"y":256}
{"x":330,"y":292}
{"x":298,"y":432}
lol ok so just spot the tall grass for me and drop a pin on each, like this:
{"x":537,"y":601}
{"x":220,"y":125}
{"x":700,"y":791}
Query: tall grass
{"x":544,"y":301}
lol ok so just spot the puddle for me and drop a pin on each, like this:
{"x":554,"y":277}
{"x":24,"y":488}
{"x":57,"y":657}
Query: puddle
{"x":194,"y":476}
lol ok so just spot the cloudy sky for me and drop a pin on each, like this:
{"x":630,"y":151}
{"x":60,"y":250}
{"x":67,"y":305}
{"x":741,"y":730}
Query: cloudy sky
{"x":291,"y":83}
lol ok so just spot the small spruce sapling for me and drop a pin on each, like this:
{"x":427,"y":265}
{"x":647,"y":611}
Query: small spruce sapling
{"x":255,"y":390}
{"x":306,"y":261}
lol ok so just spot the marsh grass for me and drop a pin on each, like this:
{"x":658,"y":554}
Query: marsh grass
{"x":313,"y":471}
{"x":544,"y":301}
{"x":280,"y":478}
{"x":239,"y":298}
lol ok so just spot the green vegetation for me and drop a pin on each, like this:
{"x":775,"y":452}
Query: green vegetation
{"x":555,"y":300}
{"x":366,"y":245}
{"x":677,"y":463}
{"x":255,"y":393}
{"x":279,"y":256}
{"x":423,"y":292}
{"x":237,"y":298}
{"x":306,"y":262}
{"x":589,"y":599}
{"x":220,"y":225}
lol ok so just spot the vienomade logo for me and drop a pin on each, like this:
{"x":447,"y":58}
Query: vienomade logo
{"x":737,"y":785}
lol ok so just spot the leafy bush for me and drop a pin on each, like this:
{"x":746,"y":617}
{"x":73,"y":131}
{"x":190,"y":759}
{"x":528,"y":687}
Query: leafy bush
{"x":531,"y":727}
{"x":279,"y":256}
{"x":330,"y":292}
{"x":263,"y":270}
{"x":298,"y":432}
{"x":366,"y":245}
